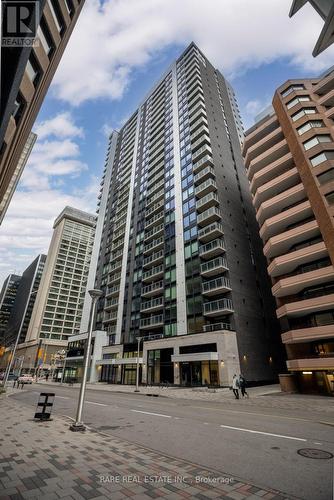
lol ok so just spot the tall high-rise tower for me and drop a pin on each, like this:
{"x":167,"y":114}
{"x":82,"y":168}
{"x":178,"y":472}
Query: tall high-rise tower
{"x":180,"y":260}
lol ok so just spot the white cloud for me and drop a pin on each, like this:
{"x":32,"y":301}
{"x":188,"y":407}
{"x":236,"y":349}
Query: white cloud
{"x":234,"y":35}
{"x":62,"y":125}
{"x":27,"y":228}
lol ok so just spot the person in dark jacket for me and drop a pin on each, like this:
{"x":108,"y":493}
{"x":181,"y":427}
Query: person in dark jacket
{"x":242,"y":385}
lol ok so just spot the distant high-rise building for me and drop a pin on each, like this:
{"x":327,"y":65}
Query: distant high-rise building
{"x":26,"y":74}
{"x":58,"y":307}
{"x":4,"y":203}
{"x":325,"y":9}
{"x":7,"y":299}
{"x":289,"y":156}
{"x":24,"y":302}
{"x":180,"y":261}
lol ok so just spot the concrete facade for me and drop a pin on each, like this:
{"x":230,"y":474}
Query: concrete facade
{"x":289,"y":157}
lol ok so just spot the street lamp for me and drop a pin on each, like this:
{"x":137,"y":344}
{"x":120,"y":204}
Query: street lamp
{"x":137,"y":372}
{"x":78,"y":425}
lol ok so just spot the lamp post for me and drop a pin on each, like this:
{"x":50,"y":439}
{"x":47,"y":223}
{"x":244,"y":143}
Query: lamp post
{"x":78,"y":425}
{"x":137,"y":371}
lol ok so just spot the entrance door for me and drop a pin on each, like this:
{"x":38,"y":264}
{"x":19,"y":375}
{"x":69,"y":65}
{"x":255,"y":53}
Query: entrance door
{"x":185,"y":374}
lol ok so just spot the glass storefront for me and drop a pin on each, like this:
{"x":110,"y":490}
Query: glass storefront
{"x":160,"y":367}
{"x":199,"y":373}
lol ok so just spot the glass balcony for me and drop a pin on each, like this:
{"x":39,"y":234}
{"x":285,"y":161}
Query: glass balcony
{"x":203,"y":175}
{"x":155,"y":187}
{"x":202,"y":152}
{"x":216,"y":286}
{"x":218,"y":307}
{"x":154,"y":258}
{"x":154,"y":273}
{"x":203,"y":139}
{"x":209,"y":216}
{"x":152,"y":305}
{"x":152,"y":322}
{"x":206,"y":187}
{"x":212,"y":249}
{"x":214,"y":267}
{"x":208,"y":233}
{"x":210,"y":200}
{"x":202,"y":163}
{"x":216,"y":327}
{"x":153,"y":289}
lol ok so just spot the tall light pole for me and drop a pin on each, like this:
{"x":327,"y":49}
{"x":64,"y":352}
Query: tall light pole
{"x":137,"y":371}
{"x":78,"y":425}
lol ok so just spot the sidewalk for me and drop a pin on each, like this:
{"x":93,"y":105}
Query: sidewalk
{"x":46,"y":460}
{"x":267,"y":396}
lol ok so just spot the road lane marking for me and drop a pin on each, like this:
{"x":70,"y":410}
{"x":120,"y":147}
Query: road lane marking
{"x":61,"y":397}
{"x":260,"y":432}
{"x":251,"y":413}
{"x":150,"y":413}
{"x":93,"y":403}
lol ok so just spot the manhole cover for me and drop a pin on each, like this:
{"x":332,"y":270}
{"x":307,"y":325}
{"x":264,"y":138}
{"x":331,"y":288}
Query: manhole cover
{"x":314,"y":453}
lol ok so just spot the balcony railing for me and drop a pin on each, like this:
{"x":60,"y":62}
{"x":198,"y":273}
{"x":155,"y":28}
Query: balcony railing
{"x":152,"y":322}
{"x":154,"y":245}
{"x":215,"y":266}
{"x":213,"y":248}
{"x":218,"y":285}
{"x":218,"y":307}
{"x":209,"y":200}
{"x":210,"y":215}
{"x":206,"y":173}
{"x":154,"y":220}
{"x":210,"y":232}
{"x":151,"y":305}
{"x":154,"y":208}
{"x":156,"y":231}
{"x":203,"y":162}
{"x":203,"y":151}
{"x":216,"y":327}
{"x":153,"y":273}
{"x":153,"y":289}
{"x":154,"y":257}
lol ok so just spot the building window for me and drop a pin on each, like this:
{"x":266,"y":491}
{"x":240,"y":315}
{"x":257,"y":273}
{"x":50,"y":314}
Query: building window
{"x":19,"y":106}
{"x":326,"y":176}
{"x":292,"y":88}
{"x":316,"y":140}
{"x":69,"y":7}
{"x":43,"y":34}
{"x":309,"y":125}
{"x":33,"y":69}
{"x":297,"y":100}
{"x":330,"y":198}
{"x":303,"y":112}
{"x":321,"y":157}
{"x":57,"y":16}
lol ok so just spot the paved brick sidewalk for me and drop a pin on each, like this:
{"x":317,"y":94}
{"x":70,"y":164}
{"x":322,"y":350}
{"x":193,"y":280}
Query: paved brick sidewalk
{"x":47,"y":461}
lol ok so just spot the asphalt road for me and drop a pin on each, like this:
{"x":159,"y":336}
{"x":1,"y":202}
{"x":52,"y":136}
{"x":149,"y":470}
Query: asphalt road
{"x":257,"y":444}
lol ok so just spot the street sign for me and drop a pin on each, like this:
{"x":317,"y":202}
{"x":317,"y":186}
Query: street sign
{"x":44,"y":405}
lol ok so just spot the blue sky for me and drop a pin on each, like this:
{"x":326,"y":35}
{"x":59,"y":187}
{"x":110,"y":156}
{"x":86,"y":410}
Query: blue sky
{"x":102,"y":79}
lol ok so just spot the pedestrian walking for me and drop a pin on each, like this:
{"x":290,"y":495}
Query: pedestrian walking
{"x":235,"y":386}
{"x":47,"y":376}
{"x":243,"y":385}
